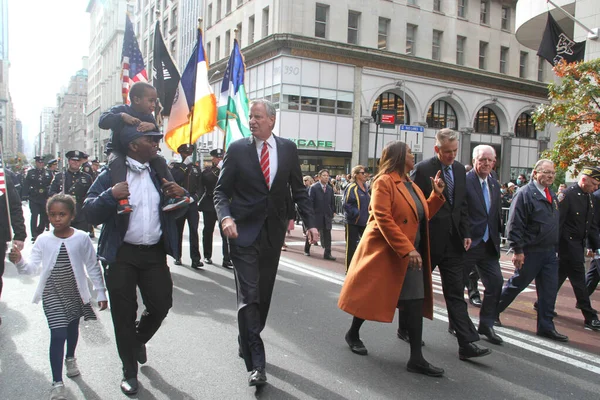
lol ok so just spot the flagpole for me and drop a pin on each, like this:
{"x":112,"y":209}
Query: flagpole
{"x":6,"y":178}
{"x":235,"y":37}
{"x":195,"y":77}
{"x":591,"y":33}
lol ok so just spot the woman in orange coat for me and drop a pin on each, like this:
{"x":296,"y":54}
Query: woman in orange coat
{"x":391,"y":267}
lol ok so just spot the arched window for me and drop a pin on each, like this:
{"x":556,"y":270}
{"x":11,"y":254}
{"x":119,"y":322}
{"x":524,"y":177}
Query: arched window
{"x":524,"y":128}
{"x":441,"y":115}
{"x":486,"y":122}
{"x":391,"y":101}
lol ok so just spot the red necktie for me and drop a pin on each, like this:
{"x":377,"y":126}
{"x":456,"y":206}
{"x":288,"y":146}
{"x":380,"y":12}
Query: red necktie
{"x":324,"y":189}
{"x":548,"y":197}
{"x":264,"y":163}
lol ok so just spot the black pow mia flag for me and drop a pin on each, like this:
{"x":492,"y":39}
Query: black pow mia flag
{"x":556,"y":45}
{"x":165,"y":76}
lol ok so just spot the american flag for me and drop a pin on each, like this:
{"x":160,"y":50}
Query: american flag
{"x":133,"y":68}
{"x":2,"y":179}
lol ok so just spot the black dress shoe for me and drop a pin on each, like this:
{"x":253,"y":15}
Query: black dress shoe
{"x":258,"y":377}
{"x":497,"y":321}
{"x":178,"y":261}
{"x":197,"y":264}
{"x":403,"y":335}
{"x":471,"y":350}
{"x":535,"y":307}
{"x":356,"y":345}
{"x":227,"y":264}
{"x":593,"y":325}
{"x":307,"y":254}
{"x":130,"y":386}
{"x":491,"y":335}
{"x":553,"y":335}
{"x":207,"y":260}
{"x":452,"y":331}
{"x":142,"y":356}
{"x":425,"y":369}
{"x":329,"y":257}
{"x":475,"y":301}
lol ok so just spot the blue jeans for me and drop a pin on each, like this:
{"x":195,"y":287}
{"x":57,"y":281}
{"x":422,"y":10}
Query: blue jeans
{"x":543,"y":267}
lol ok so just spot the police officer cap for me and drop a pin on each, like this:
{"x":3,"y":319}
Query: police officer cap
{"x":185,"y":148}
{"x":219,"y":153}
{"x":592,"y":172}
{"x":84,"y":155}
{"x":39,"y":158}
{"x":52,"y":162}
{"x":129,"y":133}
{"x":95,"y":161}
{"x":108,"y":149}
{"x":74,"y":155}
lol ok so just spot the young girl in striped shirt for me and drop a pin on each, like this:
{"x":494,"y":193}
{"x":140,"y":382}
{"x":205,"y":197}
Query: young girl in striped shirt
{"x":62,"y":258}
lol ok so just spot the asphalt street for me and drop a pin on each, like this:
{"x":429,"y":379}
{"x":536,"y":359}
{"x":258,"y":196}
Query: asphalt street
{"x":194,"y":354}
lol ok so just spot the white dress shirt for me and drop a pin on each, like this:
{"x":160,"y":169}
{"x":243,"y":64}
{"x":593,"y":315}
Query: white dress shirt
{"x":541,"y":188}
{"x":272,"y":155}
{"x":144,"y":222}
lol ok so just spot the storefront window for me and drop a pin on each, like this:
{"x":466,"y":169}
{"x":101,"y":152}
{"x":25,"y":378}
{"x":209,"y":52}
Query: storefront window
{"x":391,"y":101}
{"x":486,"y":122}
{"x":441,"y":115}
{"x":524,"y":128}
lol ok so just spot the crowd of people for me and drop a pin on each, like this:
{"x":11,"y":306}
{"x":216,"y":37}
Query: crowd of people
{"x":401,"y":223}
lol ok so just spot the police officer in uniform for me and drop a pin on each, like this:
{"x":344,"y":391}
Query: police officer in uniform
{"x":76,"y":183}
{"x":577,"y":226}
{"x":207,"y":206}
{"x":35,"y":189}
{"x":52,"y":166}
{"x":95,"y":168}
{"x":85,"y":165}
{"x":187,"y":175}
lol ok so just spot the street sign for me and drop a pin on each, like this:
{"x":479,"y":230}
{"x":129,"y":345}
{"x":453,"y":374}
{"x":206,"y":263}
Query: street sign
{"x":388,"y":118}
{"x":413,"y":136}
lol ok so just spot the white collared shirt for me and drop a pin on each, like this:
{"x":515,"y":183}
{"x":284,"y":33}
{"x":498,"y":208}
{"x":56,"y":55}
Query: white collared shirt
{"x":539,"y":187}
{"x":272,"y":155}
{"x":144,"y":222}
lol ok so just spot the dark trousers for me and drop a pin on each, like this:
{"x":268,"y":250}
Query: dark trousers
{"x":325,"y":239}
{"x":543,"y":267}
{"x":576,"y":274}
{"x":210,"y":219}
{"x":592,"y":277}
{"x":146,"y":268}
{"x":3,"y":255}
{"x":255,"y":270}
{"x":39,"y":218}
{"x":472,"y":282}
{"x":192,"y":217}
{"x":484,"y":260}
{"x":451,"y":263}
{"x":353,"y":235}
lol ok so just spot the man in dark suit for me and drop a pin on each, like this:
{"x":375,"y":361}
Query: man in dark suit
{"x":484,"y":200}
{"x":593,"y":275}
{"x":208,"y":180}
{"x":322,"y":199}
{"x":250,"y":198}
{"x":450,"y":237}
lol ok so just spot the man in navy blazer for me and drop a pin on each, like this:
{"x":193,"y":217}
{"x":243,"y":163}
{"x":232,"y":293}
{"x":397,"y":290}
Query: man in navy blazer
{"x":484,"y":200}
{"x":250,"y":199}
{"x":322,"y":199}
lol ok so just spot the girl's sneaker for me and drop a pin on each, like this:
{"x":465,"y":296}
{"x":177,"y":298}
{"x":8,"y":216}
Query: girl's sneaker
{"x":72,"y":368}
{"x":58,"y":391}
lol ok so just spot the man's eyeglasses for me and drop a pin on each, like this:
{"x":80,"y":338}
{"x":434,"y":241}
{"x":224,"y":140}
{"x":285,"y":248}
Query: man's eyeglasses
{"x":545,"y":172}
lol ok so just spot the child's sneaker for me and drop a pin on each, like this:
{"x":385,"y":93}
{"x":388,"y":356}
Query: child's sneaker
{"x":72,"y":369}
{"x":124,"y":207}
{"x":175,"y":203}
{"x":58,"y":391}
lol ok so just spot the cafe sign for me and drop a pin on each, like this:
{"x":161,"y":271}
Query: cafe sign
{"x":314,"y":144}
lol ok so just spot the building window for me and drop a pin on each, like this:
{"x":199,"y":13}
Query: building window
{"x":321,"y":14}
{"x":353,"y":21}
{"x":436,"y":43}
{"x":218,"y":10}
{"x":486,"y":122}
{"x":209,"y":16}
{"x":227,"y":42}
{"x":484,"y":12}
{"x":524,"y":127}
{"x":412,"y":2}
{"x":523,"y":65}
{"x":441,"y":115}
{"x":227,"y":7}
{"x":383,"y":33}
{"x":240,"y":2}
{"x":503,"y":59}
{"x":505,"y":18}
{"x":541,"y":69}
{"x":460,"y":50}
{"x":251,"y":30}
{"x":482,"y":54}
{"x":165,"y":26}
{"x":411,"y":36}
{"x":437,"y":5}
{"x":217,"y":48}
{"x":462,"y":9}
{"x":265,"y":22}
{"x":173,"y":48}
{"x":239,"y":35}
{"x":208,"y":51}
{"x":391,"y":101}
{"x":174,"y":22}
